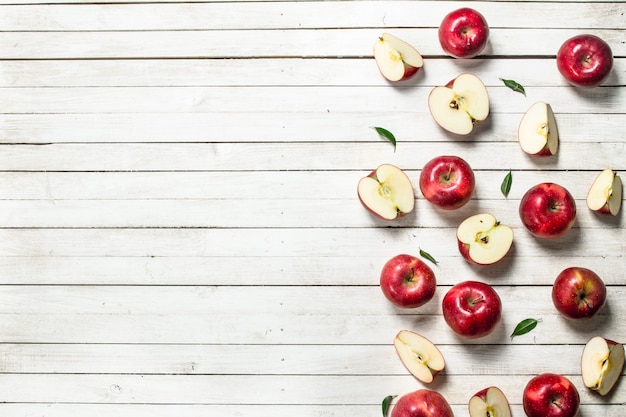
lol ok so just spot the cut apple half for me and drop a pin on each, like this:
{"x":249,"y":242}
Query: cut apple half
{"x":605,"y":193}
{"x":489,"y":402}
{"x":419,"y":355}
{"x":537,"y":132}
{"x":483,"y":240}
{"x":397,"y":60}
{"x":601,"y":364}
{"x":459,"y":105}
{"x":387,"y":192}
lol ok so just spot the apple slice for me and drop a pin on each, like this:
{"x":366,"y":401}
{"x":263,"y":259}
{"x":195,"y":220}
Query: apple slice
{"x":601,"y":364}
{"x":396,"y":59}
{"x":483,"y":240}
{"x":419,"y":355}
{"x":537,"y":132}
{"x":489,"y":402}
{"x":387,"y":192}
{"x":459,"y":105}
{"x":605,"y":194}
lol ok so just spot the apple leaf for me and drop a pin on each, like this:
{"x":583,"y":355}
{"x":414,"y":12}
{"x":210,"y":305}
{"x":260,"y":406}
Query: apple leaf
{"x":428,"y":256}
{"x":387,"y":403}
{"x":524,"y":327}
{"x":384,"y":133}
{"x":505,"y":187}
{"x":513,"y":85}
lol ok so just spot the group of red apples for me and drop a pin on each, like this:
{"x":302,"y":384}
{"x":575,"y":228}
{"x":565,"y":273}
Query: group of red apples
{"x":472,"y":309}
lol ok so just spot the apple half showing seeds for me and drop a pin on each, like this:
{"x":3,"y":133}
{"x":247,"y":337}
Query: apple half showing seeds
{"x":489,"y":402}
{"x":483,"y":240}
{"x":397,"y":60}
{"x":387,"y":192}
{"x":537,"y":132}
{"x":419,"y":355}
{"x":459,"y":105}
{"x":601,"y":364}
{"x":605,"y":193}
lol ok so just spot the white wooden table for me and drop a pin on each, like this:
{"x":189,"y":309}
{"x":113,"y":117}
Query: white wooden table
{"x":180,"y":229}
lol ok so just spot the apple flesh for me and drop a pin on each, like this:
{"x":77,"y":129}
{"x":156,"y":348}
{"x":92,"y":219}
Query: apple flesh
{"x":537,"y":132}
{"x":419,"y":355}
{"x":483,"y":240}
{"x":578,"y":293}
{"x":601,"y":364}
{"x":387,"y":192}
{"x":547,"y":210}
{"x":397,"y":60}
{"x":463,"y":33}
{"x":585,"y":60}
{"x":489,"y":402}
{"x":422,"y":403}
{"x":447,"y":182}
{"x":472,"y":309}
{"x":407,"y":281}
{"x":605,"y":193}
{"x":459,"y":105}
{"x":550,"y":395}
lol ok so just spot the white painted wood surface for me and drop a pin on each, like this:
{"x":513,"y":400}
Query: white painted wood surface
{"x":181,"y":234}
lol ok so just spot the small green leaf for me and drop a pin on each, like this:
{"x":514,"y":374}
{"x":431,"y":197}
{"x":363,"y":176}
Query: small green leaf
{"x":387,"y":403}
{"x":384,"y":133}
{"x":505,"y":187}
{"x":524,"y":327}
{"x":428,"y":256}
{"x":513,"y":85}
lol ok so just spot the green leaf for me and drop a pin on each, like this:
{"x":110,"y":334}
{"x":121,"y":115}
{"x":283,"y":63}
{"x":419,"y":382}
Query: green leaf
{"x":428,"y":256}
{"x":524,"y":327}
{"x":513,"y":85}
{"x":387,"y":403}
{"x":385,"y":134}
{"x":505,"y":187}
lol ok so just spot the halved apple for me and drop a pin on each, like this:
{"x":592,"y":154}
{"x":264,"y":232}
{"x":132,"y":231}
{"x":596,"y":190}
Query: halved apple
{"x":483,"y":240}
{"x":601,"y":364}
{"x":537,"y":132}
{"x":419,"y":355}
{"x":459,"y":105}
{"x":396,"y":59}
{"x":489,"y":402}
{"x":387,"y":192}
{"x":605,"y":193}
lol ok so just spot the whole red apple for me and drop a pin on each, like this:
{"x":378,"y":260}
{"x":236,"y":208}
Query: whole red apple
{"x":447,"y":182}
{"x":585,"y":60}
{"x":550,"y":395}
{"x":578,"y":293}
{"x":407,"y":281}
{"x":422,"y":403}
{"x":472,"y":309}
{"x":463,"y":33}
{"x":547,"y":210}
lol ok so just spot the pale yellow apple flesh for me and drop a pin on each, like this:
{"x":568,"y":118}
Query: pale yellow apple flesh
{"x":396,"y":59}
{"x":488,"y":240}
{"x":387,"y":193}
{"x":601,"y":364}
{"x":605,"y":193}
{"x":537,"y":132}
{"x":419,"y":355}
{"x":493,"y":404}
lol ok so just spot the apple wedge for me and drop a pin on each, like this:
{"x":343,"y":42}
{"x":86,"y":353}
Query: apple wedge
{"x":397,"y":60}
{"x":483,"y":240}
{"x":489,"y":402}
{"x":387,"y":192}
{"x":419,"y":355}
{"x":605,"y":193}
{"x":537,"y":132}
{"x":601,"y":364}
{"x":459,"y":105}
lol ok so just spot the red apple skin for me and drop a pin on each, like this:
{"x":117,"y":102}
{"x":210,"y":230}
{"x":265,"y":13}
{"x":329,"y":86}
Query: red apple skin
{"x":447,"y":182}
{"x":422,"y":403}
{"x":547,"y":210}
{"x":407,"y":281}
{"x":585,"y":60}
{"x":463,"y":33}
{"x":472,"y":309}
{"x":578,"y":293}
{"x":550,"y":395}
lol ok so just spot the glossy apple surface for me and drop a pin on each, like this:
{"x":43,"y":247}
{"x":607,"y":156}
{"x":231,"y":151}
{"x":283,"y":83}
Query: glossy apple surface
{"x":447,"y":182}
{"x":407,"y":281}
{"x":585,"y":60}
{"x":422,"y":403}
{"x":550,"y":395}
{"x":547,"y":210}
{"x":578,"y":293}
{"x":463,"y":33}
{"x":472,"y":309}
